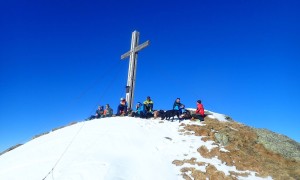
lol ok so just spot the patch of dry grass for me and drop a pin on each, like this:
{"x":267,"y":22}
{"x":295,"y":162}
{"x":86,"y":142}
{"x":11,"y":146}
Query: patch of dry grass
{"x":211,"y":172}
{"x":244,"y":151}
{"x":11,"y":148}
{"x":70,"y":124}
{"x":192,"y":161}
{"x":39,"y":135}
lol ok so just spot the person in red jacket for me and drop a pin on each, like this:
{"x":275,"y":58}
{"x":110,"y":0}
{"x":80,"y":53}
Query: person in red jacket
{"x":199,"y":112}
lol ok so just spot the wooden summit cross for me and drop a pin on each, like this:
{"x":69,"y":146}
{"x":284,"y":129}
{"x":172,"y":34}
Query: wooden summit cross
{"x":133,"y":54}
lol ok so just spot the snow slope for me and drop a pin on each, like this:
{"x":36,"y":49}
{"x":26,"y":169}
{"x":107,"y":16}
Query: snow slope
{"x":110,"y":148}
{"x":212,"y":115}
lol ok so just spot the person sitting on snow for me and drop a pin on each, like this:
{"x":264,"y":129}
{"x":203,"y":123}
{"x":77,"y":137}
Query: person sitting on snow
{"x":98,"y":114}
{"x":101,"y":112}
{"x":177,"y":104}
{"x":148,"y":103}
{"x":108,"y":112}
{"x":199,"y":112}
{"x":140,"y":110}
{"x":184,"y":113}
{"x":182,"y":110}
{"x":122,"y":108}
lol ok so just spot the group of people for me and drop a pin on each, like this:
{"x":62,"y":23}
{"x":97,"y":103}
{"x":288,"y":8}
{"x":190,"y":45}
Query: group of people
{"x":101,"y":112}
{"x":141,"y":108}
{"x":145,"y":109}
{"x":199,"y":113}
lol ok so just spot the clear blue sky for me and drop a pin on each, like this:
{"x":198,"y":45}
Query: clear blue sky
{"x":60,"y":59}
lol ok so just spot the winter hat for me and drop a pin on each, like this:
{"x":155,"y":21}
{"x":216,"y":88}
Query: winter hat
{"x":122,"y":99}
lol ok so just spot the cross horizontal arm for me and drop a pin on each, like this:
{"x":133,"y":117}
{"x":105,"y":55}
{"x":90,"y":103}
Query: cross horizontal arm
{"x":141,"y":46}
{"x":126,"y":55}
{"x":136,"y":49}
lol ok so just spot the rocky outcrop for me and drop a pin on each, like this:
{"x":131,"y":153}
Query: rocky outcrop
{"x":279,"y":143}
{"x":221,"y":138}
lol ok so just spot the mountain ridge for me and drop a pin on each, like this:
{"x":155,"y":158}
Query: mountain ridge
{"x":225,"y":139}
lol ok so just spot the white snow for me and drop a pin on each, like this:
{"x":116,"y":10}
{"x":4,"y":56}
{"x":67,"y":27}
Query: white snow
{"x":223,"y":149}
{"x":213,"y":115}
{"x":111,"y":148}
{"x":220,"y":117}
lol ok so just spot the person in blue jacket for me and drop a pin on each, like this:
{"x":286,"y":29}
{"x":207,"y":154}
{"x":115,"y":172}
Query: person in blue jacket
{"x":140,"y":110}
{"x":177,"y":104}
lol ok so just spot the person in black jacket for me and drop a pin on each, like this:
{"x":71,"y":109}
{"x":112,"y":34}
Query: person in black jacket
{"x":99,"y":113}
{"x":122,"y":108}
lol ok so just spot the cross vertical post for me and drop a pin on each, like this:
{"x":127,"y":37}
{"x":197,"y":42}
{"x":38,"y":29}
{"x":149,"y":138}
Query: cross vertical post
{"x":133,"y":54}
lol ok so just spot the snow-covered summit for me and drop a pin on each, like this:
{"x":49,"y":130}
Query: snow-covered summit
{"x":110,"y":148}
